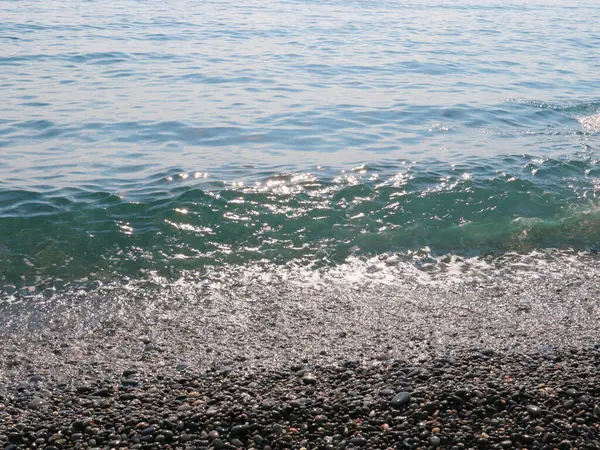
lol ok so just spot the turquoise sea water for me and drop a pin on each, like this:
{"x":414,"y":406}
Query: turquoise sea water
{"x":144,"y":139}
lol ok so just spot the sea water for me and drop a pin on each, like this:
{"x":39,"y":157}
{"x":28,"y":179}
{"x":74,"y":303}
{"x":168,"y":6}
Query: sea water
{"x":159,"y":142}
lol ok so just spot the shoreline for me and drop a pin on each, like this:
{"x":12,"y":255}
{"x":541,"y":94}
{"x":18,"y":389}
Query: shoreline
{"x":464,"y":399}
{"x":354,"y":312}
{"x":500,"y":360}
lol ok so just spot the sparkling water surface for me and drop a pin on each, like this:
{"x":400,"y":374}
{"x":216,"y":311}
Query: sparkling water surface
{"x":144,"y":139}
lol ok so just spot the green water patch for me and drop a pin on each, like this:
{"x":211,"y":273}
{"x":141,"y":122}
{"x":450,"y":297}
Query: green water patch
{"x":514,"y":203}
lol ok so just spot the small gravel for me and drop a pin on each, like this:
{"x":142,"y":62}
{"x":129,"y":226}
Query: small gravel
{"x":467,"y":399}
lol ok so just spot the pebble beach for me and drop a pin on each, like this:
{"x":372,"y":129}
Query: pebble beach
{"x":470,"y":399}
{"x":299,"y":224}
{"x":510,"y":362}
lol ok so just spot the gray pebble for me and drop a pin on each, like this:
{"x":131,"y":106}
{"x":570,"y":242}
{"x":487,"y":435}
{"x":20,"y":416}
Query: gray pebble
{"x":217,"y":443}
{"x":35,"y":403}
{"x":534,"y":411}
{"x":309,"y":378}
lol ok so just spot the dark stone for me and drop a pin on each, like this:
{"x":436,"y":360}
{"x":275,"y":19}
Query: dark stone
{"x":400,"y":400}
{"x":463,"y":393}
{"x":358,"y":441}
{"x":572,"y":392}
{"x":15,"y":438}
{"x":218,"y":443}
{"x":413,"y":373}
{"x":101,"y":393}
{"x":534,"y":411}
{"x":387,"y":392}
{"x":239,"y":430}
{"x":309,"y":378}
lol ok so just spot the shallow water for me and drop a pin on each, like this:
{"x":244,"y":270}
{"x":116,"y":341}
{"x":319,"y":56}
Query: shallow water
{"x":152,"y":140}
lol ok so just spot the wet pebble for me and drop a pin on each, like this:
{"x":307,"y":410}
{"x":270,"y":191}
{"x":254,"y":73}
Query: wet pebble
{"x":400,"y":400}
{"x":467,"y":401}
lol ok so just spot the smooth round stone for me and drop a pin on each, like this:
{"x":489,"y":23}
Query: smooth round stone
{"x":14,"y":437}
{"x":565,"y":445}
{"x":400,"y":400}
{"x":101,"y":393}
{"x":435,"y":441}
{"x":358,"y":441}
{"x":534,"y":411}
{"x":572,"y":392}
{"x":217,"y":443}
{"x":239,"y":430}
{"x":462,"y":392}
{"x":35,"y":403}
{"x":309,"y":378}
{"x":267,"y":404}
{"x":477,"y":394}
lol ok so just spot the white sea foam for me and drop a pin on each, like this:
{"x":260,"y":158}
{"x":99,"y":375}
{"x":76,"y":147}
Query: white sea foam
{"x":591,"y":122}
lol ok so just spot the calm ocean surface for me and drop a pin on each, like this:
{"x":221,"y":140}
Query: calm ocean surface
{"x":159,"y":141}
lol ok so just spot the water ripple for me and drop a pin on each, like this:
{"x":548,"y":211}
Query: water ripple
{"x":171,"y":136}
